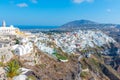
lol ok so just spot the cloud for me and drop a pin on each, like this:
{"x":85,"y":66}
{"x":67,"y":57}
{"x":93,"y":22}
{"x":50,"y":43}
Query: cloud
{"x":89,"y":0}
{"x":34,"y":1}
{"x":109,"y":10}
{"x":21,"y":5}
{"x":80,"y":1}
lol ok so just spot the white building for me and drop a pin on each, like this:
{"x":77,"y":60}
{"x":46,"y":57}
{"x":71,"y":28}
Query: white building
{"x":8,"y":30}
{"x":23,"y":49}
{"x":4,"y":44}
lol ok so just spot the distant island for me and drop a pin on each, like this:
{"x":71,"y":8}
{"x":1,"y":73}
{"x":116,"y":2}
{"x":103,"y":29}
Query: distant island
{"x":87,"y":24}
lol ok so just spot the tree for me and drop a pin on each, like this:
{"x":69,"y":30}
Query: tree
{"x":12,"y":68}
{"x":17,"y":41}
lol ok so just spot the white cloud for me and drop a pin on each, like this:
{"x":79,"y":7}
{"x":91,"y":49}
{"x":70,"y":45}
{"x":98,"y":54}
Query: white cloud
{"x":34,"y":1}
{"x":89,"y":0}
{"x":80,"y":1}
{"x":109,"y":10}
{"x":22,"y":5}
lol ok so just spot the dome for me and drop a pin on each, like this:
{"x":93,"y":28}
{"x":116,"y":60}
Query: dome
{"x":11,"y":26}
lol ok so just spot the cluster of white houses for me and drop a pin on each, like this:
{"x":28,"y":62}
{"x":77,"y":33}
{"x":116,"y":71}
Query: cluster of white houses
{"x":4,"y":30}
{"x":9,"y":36}
{"x":71,"y":42}
{"x":68,"y":42}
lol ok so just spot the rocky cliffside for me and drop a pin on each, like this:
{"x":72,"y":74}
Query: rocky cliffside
{"x":60,"y":60}
{"x":78,"y":67}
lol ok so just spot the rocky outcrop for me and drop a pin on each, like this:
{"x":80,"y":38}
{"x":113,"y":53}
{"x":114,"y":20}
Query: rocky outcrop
{"x":20,"y":77}
{"x":109,"y":72}
{"x":78,"y":72}
{"x":2,"y":74}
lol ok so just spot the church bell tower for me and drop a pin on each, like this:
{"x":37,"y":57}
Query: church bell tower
{"x":3,"y":24}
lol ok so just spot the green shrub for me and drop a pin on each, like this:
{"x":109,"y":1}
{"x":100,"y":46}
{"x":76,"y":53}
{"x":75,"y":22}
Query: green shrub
{"x":12,"y":68}
{"x":94,"y":62}
{"x":59,"y":56}
{"x":31,"y":78}
{"x":1,"y":64}
{"x":42,"y":65}
{"x":17,"y":41}
{"x":83,"y":74}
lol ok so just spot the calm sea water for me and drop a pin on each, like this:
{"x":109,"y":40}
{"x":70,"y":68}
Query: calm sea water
{"x":36,"y":27}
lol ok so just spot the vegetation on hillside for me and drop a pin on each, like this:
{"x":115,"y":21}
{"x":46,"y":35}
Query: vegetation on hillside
{"x":12,"y":68}
{"x":59,"y":56}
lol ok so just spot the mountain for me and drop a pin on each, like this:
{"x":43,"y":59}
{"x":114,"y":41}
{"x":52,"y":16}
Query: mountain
{"x":86,"y":24}
{"x":82,"y":22}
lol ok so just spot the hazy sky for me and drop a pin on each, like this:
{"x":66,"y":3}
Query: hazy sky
{"x":58,"y":12}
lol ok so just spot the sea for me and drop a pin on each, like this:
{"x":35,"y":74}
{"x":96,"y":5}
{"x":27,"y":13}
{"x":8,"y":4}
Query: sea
{"x":36,"y":27}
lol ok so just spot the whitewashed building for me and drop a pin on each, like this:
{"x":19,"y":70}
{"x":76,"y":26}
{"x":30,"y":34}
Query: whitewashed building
{"x":8,"y":30}
{"x":23,"y":49}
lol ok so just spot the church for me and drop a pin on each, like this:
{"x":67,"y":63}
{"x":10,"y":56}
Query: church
{"x":11,"y":30}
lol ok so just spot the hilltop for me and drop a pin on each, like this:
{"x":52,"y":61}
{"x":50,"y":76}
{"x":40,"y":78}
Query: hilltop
{"x":86,"y":24}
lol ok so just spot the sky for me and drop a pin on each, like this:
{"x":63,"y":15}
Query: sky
{"x":58,"y":12}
